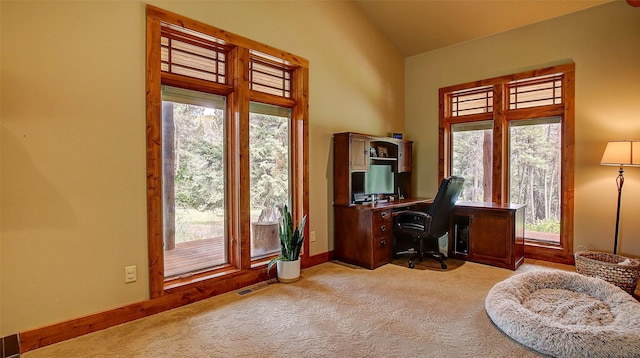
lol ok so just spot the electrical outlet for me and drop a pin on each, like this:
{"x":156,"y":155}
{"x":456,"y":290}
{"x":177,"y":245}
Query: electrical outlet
{"x":313,"y":236}
{"x":130,"y":274}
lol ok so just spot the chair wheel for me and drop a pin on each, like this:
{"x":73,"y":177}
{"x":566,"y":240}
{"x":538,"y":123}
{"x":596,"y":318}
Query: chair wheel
{"x":443,"y":265}
{"x":411,"y":265}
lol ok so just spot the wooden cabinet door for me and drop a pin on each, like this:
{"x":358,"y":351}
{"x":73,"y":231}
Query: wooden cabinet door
{"x":404,"y":157}
{"x":488,"y":233}
{"x":490,"y":237}
{"x":359,"y":153}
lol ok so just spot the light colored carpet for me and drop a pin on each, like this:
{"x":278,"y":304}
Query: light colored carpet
{"x":565,"y":314}
{"x":333,"y":311}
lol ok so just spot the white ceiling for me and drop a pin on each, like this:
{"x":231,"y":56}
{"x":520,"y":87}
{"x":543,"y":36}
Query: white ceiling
{"x":417,"y":26}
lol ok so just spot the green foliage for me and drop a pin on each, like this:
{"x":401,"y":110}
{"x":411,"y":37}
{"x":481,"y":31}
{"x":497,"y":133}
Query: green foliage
{"x":200,"y":176}
{"x":468,"y":162}
{"x":199,"y":162}
{"x":199,"y":179}
{"x":534,"y":164}
{"x":545,"y":225}
{"x":535,"y":171}
{"x":269,"y":160}
{"x":291,"y":238}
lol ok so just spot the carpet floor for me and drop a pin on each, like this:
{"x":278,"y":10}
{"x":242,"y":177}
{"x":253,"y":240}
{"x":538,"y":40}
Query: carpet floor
{"x":335,"y":310}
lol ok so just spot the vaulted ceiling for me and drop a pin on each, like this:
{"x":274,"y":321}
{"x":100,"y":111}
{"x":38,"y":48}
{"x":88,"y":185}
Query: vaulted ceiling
{"x":417,"y":26}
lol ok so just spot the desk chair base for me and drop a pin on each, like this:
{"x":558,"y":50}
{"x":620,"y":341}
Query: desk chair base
{"x":436,"y":255}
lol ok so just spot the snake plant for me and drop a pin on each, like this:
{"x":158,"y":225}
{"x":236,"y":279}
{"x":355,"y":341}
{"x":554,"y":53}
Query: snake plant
{"x":291,"y":239}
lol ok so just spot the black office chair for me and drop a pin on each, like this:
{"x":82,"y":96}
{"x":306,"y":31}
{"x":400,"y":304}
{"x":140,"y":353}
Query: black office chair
{"x":425,"y":228}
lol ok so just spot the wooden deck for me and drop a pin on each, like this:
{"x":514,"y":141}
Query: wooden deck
{"x":544,"y":237}
{"x":200,"y":254}
{"x":194,"y":255}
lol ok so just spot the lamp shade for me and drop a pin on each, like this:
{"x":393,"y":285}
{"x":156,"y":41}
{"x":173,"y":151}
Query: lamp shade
{"x":621,"y":152}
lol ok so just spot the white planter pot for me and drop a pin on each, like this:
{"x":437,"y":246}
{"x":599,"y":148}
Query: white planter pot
{"x":288,"y":271}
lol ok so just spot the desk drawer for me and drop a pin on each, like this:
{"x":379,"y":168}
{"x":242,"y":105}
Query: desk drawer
{"x":382,"y":228}
{"x":382,"y":250}
{"x":380,"y":216}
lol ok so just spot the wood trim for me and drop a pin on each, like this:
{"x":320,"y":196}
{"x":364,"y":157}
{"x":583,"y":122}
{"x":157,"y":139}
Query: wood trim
{"x":227,"y":37}
{"x":555,"y":110}
{"x":548,"y":253}
{"x":569,"y":143}
{"x":271,"y":99}
{"x":318,"y":259}
{"x":232,"y":183}
{"x":302,"y":115}
{"x":478,"y":117}
{"x":444,"y":132}
{"x":512,"y":77}
{"x":58,"y":332}
{"x":500,"y":166}
{"x":300,"y":151}
{"x":242,"y":121}
{"x":197,"y":84}
{"x":154,"y":160}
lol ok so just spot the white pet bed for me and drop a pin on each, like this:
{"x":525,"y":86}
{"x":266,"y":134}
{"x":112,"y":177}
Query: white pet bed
{"x":565,"y":314}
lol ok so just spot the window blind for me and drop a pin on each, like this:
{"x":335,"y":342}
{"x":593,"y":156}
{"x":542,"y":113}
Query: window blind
{"x":535,"y":121}
{"x":471,"y":101}
{"x":472,"y":126}
{"x":190,"y":53}
{"x":270,"y":110}
{"x":196,"y":98}
{"x":269,"y":74}
{"x":535,"y":91}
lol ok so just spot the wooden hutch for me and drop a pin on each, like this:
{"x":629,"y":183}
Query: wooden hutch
{"x":364,"y":220}
{"x":487,"y":233}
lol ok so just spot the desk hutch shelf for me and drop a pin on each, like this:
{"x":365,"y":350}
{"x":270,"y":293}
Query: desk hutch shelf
{"x":364,"y":231}
{"x":487,"y":233}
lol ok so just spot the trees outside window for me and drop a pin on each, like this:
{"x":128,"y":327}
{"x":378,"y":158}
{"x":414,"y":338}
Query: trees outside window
{"x":534,"y":176}
{"x":471,"y":151}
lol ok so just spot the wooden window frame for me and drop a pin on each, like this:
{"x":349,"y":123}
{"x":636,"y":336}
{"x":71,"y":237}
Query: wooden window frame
{"x":241,"y":270}
{"x":501,"y":117}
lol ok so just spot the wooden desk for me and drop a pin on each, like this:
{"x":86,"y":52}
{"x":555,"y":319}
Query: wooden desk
{"x":488,"y":233}
{"x":364,"y":233}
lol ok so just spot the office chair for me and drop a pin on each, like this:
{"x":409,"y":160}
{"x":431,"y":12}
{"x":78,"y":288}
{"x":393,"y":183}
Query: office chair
{"x":425,"y":228}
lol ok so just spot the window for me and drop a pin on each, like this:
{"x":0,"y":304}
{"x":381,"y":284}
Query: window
{"x":193,"y":192}
{"x":534,"y":175}
{"x":512,"y":140}
{"x":269,"y":160}
{"x":471,"y":152}
{"x":226,"y":147}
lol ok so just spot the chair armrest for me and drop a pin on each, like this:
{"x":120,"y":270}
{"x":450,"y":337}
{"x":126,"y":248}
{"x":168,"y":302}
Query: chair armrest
{"x":411,"y":212}
{"x":413,"y":222}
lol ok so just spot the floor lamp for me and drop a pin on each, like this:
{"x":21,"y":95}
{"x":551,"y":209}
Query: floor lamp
{"x":621,"y":153}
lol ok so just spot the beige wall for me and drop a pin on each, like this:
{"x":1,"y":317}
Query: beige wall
{"x":72,"y":174}
{"x":73,"y":136}
{"x":604,"y":44}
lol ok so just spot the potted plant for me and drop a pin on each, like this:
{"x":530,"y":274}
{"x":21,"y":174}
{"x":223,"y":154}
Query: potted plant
{"x":291,"y":240}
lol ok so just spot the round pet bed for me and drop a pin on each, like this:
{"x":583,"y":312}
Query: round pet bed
{"x":565,"y":314}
